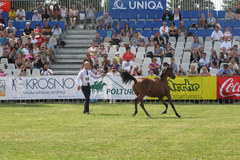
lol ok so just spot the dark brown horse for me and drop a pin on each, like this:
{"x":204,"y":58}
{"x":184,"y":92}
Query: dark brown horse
{"x":152,"y":88}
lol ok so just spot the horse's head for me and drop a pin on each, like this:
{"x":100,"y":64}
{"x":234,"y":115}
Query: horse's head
{"x":168,"y":72}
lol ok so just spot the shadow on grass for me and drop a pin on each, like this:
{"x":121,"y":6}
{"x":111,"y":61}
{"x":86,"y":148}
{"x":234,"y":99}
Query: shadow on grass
{"x":176,"y":117}
{"x":26,"y":105}
{"x":107,"y":114}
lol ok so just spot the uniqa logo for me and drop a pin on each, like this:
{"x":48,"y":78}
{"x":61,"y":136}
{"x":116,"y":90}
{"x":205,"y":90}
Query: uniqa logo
{"x":187,"y":86}
{"x":118,"y":4}
{"x":230,"y":88}
{"x":98,"y":86}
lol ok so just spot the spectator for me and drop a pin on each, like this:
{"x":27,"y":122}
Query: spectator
{"x":105,"y":63}
{"x":192,"y":71}
{"x":229,"y":15}
{"x":151,"y":42}
{"x":115,"y":41}
{"x":115,"y":65}
{"x":204,"y":72}
{"x":113,"y":72}
{"x":159,"y":39}
{"x":88,"y":58}
{"x":151,"y":73}
{"x":202,"y":22}
{"x":225,"y":71}
{"x":154,"y":66}
{"x":235,"y":71}
{"x":237,"y":12}
{"x":136,"y":71}
{"x":2,"y":19}
{"x":4,"y":39}
{"x":46,"y":71}
{"x":20,"y":44}
{"x":46,"y":30}
{"x":197,"y":44}
{"x":173,"y":31}
{"x":227,"y":34}
{"x":93,"y":50}
{"x":2,"y":74}
{"x":47,"y":13}
{"x":106,"y":18}
{"x":13,"y":55}
{"x":34,"y":40}
{"x":226,"y":44}
{"x":234,"y":64}
{"x":167,"y":16}
{"x":6,"y":50}
{"x":28,"y":31}
{"x":37,"y":31}
{"x":127,"y":31}
{"x":18,"y":61}
{"x":118,"y":28}
{"x":56,"y":31}
{"x":98,"y":40}
{"x":90,"y":14}
{"x":63,"y":12}
{"x":39,"y":8}
{"x":2,"y":30}
{"x":97,"y":68}
{"x":20,"y":14}
{"x":30,"y":56}
{"x":56,"y":13}
{"x":36,"y":16}
{"x":117,"y":57}
{"x":177,"y":15}
{"x":223,"y":56}
{"x":102,"y":51}
{"x":204,"y":61}
{"x":211,"y":20}
{"x":182,"y":30}
{"x":135,"y":40}
{"x":12,"y":41}
{"x":10,"y":30}
{"x":217,"y":35}
{"x":169,"y":51}
{"x":35,"y":49}
{"x":49,"y":49}
{"x":174,"y":66}
{"x":39,"y":62}
{"x":233,"y":55}
{"x":214,"y":62}
{"x":12,"y":15}
{"x":128,"y":59}
{"x":195,"y":56}
{"x":158,"y":52}
{"x":102,"y":26}
{"x":29,"y":63}
{"x":40,"y":40}
{"x":181,"y":72}
{"x":25,"y":50}
{"x":29,"y":42}
{"x":73,"y":14}
{"x":164,"y":31}
{"x":23,"y":69}
{"x":142,"y":42}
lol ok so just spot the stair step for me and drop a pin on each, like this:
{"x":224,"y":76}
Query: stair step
{"x":66,"y":66}
{"x":79,"y":36}
{"x":70,"y":56}
{"x":72,"y":51}
{"x":78,"y":41}
{"x":82,"y":31}
{"x":77,"y":60}
{"x":77,"y":45}
{"x":67,"y":72}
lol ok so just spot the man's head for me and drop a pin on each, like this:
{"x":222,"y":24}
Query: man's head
{"x":46,"y":66}
{"x":192,"y":68}
{"x":9,"y":24}
{"x":216,"y":28}
{"x":97,"y":35}
{"x":106,"y":14}
{"x":182,"y":23}
{"x":202,"y":15}
{"x":172,"y":60}
{"x":28,"y":24}
{"x":204,"y":69}
{"x":225,"y":67}
{"x":230,"y":10}
{"x":47,"y":40}
{"x":20,"y":8}
{"x":29,"y":40}
{"x":86,"y":65}
{"x":39,"y":5}
{"x":45,"y":23}
{"x":90,"y":5}
{"x":226,"y":39}
{"x":114,"y":36}
{"x":36,"y":12}
{"x":204,"y":55}
{"x":128,"y":49}
{"x":223,"y":49}
{"x":210,"y":14}
{"x":196,"y":39}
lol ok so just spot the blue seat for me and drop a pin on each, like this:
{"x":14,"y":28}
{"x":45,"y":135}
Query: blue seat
{"x":138,"y":30}
{"x":146,"y":33}
{"x":192,"y":30}
{"x":157,"y":24}
{"x":192,"y":22}
{"x":168,"y":23}
{"x":149,"y":24}
{"x":114,"y":24}
{"x":125,"y":15}
{"x":52,"y":23}
{"x":33,"y":24}
{"x":133,"y":16}
{"x":221,"y":22}
{"x":236,"y":32}
{"x":159,"y":14}
{"x":41,"y":24}
{"x":209,"y":32}
{"x":18,"y":25}
{"x":131,"y":24}
{"x":186,"y":14}
{"x":123,"y":23}
{"x":154,"y":31}
{"x":221,"y":14}
{"x":151,"y":16}
{"x":116,"y":16}
{"x":186,"y":23}
{"x":5,"y":15}
{"x":205,"y":14}
{"x":29,"y":15}
{"x":200,"y":32}
{"x":177,"y":23}
{"x":195,"y":14}
{"x":143,"y":15}
{"x":100,"y":13}
{"x":236,"y":23}
{"x":102,"y":33}
{"x":214,"y":13}
{"x":61,"y":25}
{"x":19,"y":33}
{"x":228,"y":23}
{"x":140,"y":24}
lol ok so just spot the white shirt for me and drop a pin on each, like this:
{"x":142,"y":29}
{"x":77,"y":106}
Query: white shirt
{"x":83,"y":77}
{"x":204,"y":62}
{"x":163,"y":30}
{"x":56,"y":31}
{"x":21,"y":13}
{"x":25,"y":51}
{"x":34,"y":41}
{"x":37,"y":18}
{"x":227,"y":45}
{"x":217,"y":35}
{"x":47,"y":72}
{"x":111,"y":74}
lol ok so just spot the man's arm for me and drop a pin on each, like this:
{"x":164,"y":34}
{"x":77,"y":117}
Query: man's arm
{"x":79,"y":80}
{"x":95,"y":76}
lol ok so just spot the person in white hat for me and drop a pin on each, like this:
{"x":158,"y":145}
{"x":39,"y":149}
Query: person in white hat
{"x":36,"y":16}
{"x":28,"y":31}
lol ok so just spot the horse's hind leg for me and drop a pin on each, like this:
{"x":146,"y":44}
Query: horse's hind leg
{"x":136,"y":108}
{"x":142,"y":105}
{"x":170,"y":101}
{"x":163,"y":101}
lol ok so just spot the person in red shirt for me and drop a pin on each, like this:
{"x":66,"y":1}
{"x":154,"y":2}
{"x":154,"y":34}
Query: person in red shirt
{"x":40,"y":40}
{"x":128,"y":59}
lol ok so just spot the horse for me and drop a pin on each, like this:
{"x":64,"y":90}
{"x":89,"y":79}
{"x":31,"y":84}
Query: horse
{"x":151,"y":87}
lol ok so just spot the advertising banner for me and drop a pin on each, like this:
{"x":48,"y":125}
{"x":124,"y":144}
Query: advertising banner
{"x":137,"y":5}
{"x":228,"y":87}
{"x":195,"y":88}
{"x":5,"y":6}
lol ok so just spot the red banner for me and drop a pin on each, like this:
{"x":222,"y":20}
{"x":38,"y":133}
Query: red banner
{"x":5,"y":6}
{"x":228,"y":87}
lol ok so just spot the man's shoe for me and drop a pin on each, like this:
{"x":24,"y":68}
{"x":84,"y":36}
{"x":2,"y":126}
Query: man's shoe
{"x":86,"y":112}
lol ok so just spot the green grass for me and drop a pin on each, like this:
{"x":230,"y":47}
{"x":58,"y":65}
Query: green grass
{"x":61,"y":131}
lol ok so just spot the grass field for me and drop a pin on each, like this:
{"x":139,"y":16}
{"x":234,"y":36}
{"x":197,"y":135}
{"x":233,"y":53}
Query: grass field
{"x":61,"y":131}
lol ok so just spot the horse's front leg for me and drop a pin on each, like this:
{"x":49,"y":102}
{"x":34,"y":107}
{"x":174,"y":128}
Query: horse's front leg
{"x":170,"y":101}
{"x":142,"y":105}
{"x":166,"y":105}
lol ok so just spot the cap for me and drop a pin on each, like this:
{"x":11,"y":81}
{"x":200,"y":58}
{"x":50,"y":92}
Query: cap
{"x":28,"y":23}
{"x":1,"y":24}
{"x":116,"y":53}
{"x":165,"y":23}
{"x":35,"y":11}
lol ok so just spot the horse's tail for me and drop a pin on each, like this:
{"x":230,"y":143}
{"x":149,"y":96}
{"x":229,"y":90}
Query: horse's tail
{"x":126,"y":77}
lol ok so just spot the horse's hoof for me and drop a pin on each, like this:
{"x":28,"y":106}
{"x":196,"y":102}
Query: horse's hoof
{"x":149,"y":116}
{"x":164,"y":112}
{"x":134,"y":114}
{"x":179,"y":116}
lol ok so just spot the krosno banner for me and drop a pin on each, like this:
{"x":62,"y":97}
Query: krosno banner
{"x":137,"y":5}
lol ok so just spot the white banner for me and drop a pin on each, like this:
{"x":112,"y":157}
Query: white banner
{"x":62,"y":87}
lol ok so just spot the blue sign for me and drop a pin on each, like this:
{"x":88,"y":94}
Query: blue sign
{"x":137,"y":5}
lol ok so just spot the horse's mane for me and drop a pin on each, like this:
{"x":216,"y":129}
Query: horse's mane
{"x":162,"y":72}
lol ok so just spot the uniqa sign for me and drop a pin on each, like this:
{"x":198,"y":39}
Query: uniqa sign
{"x":118,"y":4}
